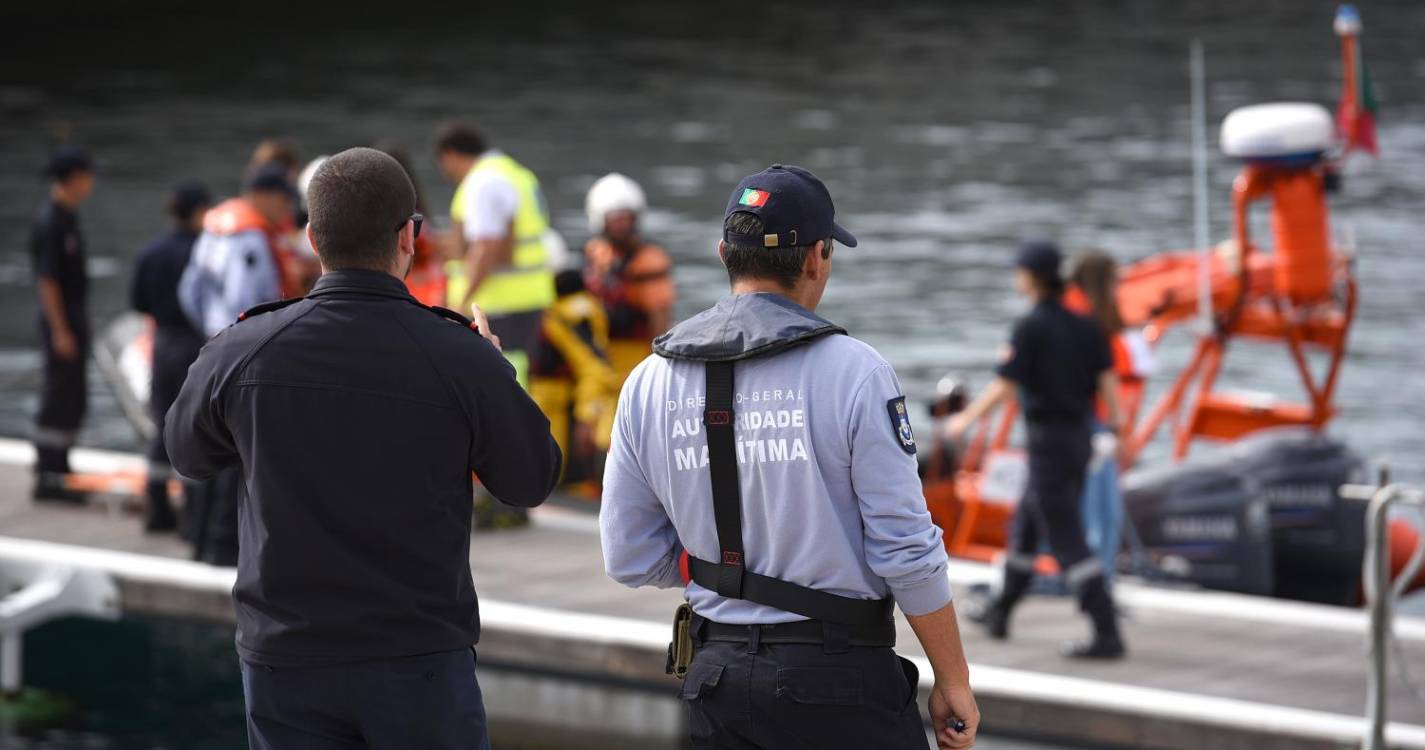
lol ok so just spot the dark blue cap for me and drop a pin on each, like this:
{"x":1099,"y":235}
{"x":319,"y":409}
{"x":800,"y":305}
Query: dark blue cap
{"x":1040,"y":258}
{"x":66,"y":160}
{"x":795,"y":208}
{"x":188,"y":196}
{"x":270,"y":177}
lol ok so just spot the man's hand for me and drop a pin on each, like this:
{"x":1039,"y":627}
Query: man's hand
{"x":482,"y":326}
{"x":948,"y":703}
{"x":64,"y":345}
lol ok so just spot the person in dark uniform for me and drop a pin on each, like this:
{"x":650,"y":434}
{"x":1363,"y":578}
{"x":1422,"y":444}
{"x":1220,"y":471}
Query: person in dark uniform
{"x":357,"y":416}
{"x":1057,"y":362}
{"x":153,"y":291}
{"x":62,"y":281}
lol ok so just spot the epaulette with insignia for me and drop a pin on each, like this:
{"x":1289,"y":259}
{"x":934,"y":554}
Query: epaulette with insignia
{"x":267,"y":307}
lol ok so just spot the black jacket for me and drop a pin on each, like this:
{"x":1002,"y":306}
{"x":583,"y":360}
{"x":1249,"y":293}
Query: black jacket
{"x":153,"y":290}
{"x":358,"y":416}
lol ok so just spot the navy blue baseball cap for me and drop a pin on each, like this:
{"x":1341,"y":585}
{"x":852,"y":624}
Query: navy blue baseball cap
{"x":188,"y":196}
{"x":66,"y":160}
{"x":795,"y":208}
{"x":1040,"y":258}
{"x":270,"y":177}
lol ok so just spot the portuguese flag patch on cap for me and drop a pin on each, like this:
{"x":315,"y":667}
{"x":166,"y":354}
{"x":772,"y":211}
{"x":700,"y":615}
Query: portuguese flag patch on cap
{"x":754,"y":198}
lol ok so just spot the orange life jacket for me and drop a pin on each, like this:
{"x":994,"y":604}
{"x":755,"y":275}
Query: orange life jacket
{"x":426,"y":281}
{"x":630,"y":286}
{"x":236,"y":215}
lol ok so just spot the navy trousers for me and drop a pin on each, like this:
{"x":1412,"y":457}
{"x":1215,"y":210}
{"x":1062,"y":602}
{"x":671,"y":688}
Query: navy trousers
{"x":1051,"y":511}
{"x":431,"y":702}
{"x":786,"y":696}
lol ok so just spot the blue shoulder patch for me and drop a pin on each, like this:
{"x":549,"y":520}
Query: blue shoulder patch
{"x":900,"y":424}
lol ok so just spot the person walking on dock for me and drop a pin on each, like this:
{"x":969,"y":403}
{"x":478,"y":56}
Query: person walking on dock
{"x":357,"y":416}
{"x":62,"y":283}
{"x":153,"y":291}
{"x":1057,"y":361}
{"x":772,"y":456}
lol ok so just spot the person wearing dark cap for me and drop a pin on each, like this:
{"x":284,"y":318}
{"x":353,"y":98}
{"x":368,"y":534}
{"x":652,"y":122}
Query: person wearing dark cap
{"x":238,"y":260}
{"x":62,"y":282}
{"x":1056,"y":362}
{"x":770,"y":455}
{"x":153,"y":291}
{"x":357,"y":416}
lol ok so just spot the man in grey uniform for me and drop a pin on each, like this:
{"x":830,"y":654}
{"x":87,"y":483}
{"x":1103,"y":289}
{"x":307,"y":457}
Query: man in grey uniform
{"x":772,"y":455}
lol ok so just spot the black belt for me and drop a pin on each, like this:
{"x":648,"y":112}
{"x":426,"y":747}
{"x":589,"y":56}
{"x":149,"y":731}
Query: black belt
{"x":880,"y":635}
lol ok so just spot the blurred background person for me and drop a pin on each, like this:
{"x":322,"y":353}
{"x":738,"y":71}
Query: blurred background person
{"x":296,"y":260}
{"x":281,"y":151}
{"x":153,"y":291}
{"x":571,"y":379}
{"x":501,"y":223}
{"x":1058,"y":362}
{"x":633,"y":277}
{"x":236,"y":263}
{"x":426,"y":280}
{"x":1094,"y":293}
{"x":61,"y":276}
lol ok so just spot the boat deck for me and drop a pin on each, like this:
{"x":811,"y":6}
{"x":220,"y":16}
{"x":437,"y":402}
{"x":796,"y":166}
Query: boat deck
{"x":1190,"y":643}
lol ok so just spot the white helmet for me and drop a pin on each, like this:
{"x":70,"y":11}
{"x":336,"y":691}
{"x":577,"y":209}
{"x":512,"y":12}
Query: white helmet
{"x":612,"y":192}
{"x":304,"y":180}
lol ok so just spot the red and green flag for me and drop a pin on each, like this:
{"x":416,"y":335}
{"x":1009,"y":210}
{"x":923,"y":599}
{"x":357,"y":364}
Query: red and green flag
{"x":753,"y":197}
{"x":1356,"y":116}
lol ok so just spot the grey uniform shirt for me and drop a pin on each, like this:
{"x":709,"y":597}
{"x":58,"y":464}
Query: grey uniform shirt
{"x":830,"y":494}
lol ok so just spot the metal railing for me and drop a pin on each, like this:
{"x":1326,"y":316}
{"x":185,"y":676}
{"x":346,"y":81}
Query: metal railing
{"x":1381,"y":594}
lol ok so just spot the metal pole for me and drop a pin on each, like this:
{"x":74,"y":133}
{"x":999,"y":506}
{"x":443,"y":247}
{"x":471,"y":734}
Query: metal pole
{"x":10,"y":663}
{"x":1378,"y":597}
{"x":1202,"y":231}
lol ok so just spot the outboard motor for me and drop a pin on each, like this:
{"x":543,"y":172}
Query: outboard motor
{"x":1262,"y":517}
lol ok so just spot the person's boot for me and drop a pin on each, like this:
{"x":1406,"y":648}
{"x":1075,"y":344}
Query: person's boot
{"x":50,"y":488}
{"x":993,"y":615}
{"x":158,"y":511}
{"x":1106,"y":642}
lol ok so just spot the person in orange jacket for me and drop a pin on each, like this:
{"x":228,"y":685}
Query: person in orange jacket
{"x":633,"y":278}
{"x":242,"y":257}
{"x":426,"y":281}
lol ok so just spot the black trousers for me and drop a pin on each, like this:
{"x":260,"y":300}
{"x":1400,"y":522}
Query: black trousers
{"x":760,"y":696}
{"x":431,"y":702}
{"x":64,"y":399}
{"x":172,"y":354}
{"x":1059,"y":454}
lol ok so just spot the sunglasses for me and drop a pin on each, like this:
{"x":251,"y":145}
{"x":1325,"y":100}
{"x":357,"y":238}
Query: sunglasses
{"x":415,"y":219}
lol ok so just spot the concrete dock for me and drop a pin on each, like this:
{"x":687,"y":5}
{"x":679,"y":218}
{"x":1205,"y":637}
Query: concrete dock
{"x":1205,"y":669}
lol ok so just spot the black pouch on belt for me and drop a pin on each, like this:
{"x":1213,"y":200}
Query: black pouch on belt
{"x":680,"y":651}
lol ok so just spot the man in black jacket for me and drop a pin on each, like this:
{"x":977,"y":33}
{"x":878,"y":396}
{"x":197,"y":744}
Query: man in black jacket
{"x":153,"y":290}
{"x":358,"y":416}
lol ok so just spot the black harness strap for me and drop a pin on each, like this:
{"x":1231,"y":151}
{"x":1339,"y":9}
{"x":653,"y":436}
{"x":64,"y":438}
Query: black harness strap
{"x":726,"y":490}
{"x":730,"y":577}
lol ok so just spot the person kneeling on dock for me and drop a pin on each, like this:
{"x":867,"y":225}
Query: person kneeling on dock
{"x":357,"y":415}
{"x":772,"y":455}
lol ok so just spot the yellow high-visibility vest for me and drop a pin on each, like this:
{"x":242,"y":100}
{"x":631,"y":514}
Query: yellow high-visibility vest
{"x":527,"y":283}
